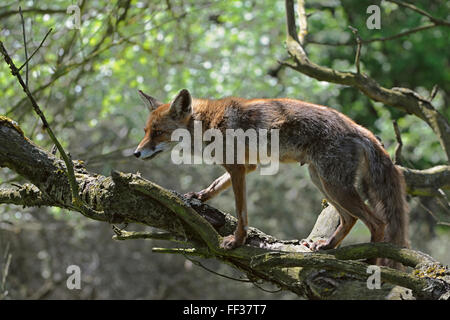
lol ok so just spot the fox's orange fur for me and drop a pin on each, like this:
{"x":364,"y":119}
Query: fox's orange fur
{"x":346,"y":161}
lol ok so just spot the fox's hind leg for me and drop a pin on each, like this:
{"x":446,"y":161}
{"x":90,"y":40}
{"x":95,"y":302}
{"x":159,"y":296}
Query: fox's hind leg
{"x":349,"y":203}
{"x":347,"y":221}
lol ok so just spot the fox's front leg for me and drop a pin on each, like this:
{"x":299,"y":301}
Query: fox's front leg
{"x":218,"y":185}
{"x":237,"y":174}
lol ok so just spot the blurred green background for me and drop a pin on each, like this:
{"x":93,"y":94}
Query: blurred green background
{"x":86,"y":80}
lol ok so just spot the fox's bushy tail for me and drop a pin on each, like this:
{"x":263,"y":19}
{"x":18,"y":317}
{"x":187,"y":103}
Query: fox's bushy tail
{"x":387,"y":196}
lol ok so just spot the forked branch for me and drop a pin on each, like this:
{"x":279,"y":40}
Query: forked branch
{"x":401,"y":98}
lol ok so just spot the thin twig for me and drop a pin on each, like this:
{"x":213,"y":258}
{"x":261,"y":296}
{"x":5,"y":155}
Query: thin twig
{"x":24,"y":43}
{"x":367,"y":41}
{"x":398,"y":148}
{"x":34,"y":11}
{"x":7,"y":258}
{"x":358,"y":48}
{"x":419,"y":201}
{"x":401,"y":34}
{"x":40,"y":45}
{"x":433,"y":93}
{"x":199,"y":264}
{"x":265,"y":290}
{"x":435,"y":23}
{"x":444,"y":202}
{"x":128,"y":235}
{"x":421,"y":11}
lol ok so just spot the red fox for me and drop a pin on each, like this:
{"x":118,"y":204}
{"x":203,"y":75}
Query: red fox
{"x":346,"y":161}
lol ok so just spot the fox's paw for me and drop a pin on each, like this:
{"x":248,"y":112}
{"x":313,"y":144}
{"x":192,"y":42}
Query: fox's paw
{"x":307,"y":243}
{"x":196,"y":195}
{"x":319,"y":245}
{"x":231,"y":242}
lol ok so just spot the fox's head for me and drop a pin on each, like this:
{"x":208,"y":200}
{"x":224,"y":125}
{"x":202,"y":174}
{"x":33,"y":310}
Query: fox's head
{"x":164,"y":118}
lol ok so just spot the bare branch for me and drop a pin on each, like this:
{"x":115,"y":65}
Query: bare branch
{"x":37,"y":49}
{"x":7,"y":14}
{"x":433,"y":93}
{"x":422,"y":12}
{"x":401,"y":34}
{"x":184,"y":251}
{"x":24,"y":44}
{"x":435,"y":22}
{"x":398,"y":148}
{"x":131,"y":235}
{"x":382,"y":39}
{"x":358,"y":48}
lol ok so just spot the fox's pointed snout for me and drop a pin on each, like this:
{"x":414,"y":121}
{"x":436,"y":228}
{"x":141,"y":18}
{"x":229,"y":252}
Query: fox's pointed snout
{"x":148,"y":153}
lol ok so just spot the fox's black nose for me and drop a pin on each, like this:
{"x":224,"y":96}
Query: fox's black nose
{"x":137,"y":154}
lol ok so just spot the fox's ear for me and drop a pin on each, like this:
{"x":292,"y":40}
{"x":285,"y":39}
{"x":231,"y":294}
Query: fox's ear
{"x":150,"y":102}
{"x":181,"y":106}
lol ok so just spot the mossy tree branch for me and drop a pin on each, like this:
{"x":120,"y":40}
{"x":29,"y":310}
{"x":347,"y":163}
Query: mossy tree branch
{"x":76,"y":200}
{"x":129,"y":198}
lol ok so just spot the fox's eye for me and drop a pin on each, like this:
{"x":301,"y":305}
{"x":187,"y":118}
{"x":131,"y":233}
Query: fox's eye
{"x":157,"y":133}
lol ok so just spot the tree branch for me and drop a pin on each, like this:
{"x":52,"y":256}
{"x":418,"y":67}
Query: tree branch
{"x":289,"y":260}
{"x":422,"y":12}
{"x":24,"y":34}
{"x":358,"y":48}
{"x":428,"y":182}
{"x":27,"y":59}
{"x":129,"y":198}
{"x":435,"y":22}
{"x":132,"y":235}
{"x":382,"y":39}
{"x":303,"y":22}
{"x":26,"y":196}
{"x":69,"y":170}
{"x":401,"y":98}
{"x":398,"y":148}
{"x":9,"y":13}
